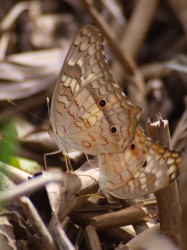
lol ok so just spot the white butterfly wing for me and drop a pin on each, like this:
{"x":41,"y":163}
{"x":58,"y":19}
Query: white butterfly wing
{"x":77,"y":110}
{"x":97,"y":129}
{"x":117,"y":169}
{"x":159,"y":167}
{"x":77,"y":70}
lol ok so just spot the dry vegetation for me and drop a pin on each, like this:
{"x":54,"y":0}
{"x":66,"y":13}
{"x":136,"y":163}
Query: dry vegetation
{"x":146,"y":45}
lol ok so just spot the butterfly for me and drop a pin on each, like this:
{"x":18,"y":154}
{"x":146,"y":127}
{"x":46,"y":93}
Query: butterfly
{"x":89,"y":112}
{"x":144,"y":167}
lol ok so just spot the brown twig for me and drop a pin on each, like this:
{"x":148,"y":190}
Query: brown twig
{"x":92,"y":239}
{"x":156,"y":69}
{"x":167,"y":198}
{"x":127,"y":216}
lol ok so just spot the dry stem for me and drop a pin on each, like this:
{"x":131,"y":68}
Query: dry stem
{"x":92,"y":238}
{"x":123,"y":217}
{"x":167,"y":198}
{"x":136,"y":31}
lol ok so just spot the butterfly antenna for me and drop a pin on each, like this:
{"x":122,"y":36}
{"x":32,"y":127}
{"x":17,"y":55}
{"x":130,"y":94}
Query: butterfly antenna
{"x":25,"y":110}
{"x":92,"y":195}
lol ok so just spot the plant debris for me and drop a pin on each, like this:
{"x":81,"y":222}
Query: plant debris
{"x":145,"y":45}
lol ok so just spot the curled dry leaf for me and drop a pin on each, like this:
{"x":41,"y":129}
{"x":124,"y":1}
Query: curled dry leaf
{"x":36,"y":222}
{"x":7,"y":238}
{"x":31,"y":73}
{"x":63,"y":197}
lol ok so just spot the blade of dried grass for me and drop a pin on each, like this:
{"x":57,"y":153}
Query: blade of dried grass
{"x":59,"y":235}
{"x":26,"y":88}
{"x":21,"y":73}
{"x":29,"y":186}
{"x":16,"y":175}
{"x":42,"y":58}
{"x":32,"y":71}
{"x":36,"y":222}
{"x":4,"y":40}
{"x":132,"y":40}
{"x":157,"y":69}
{"x":138,"y":26}
{"x":12,"y":15}
{"x":137,"y":242}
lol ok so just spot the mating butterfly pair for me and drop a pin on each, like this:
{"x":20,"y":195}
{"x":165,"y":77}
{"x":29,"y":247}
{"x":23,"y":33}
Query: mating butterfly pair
{"x":90,"y":113}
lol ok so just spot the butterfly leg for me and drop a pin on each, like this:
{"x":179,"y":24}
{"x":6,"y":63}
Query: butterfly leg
{"x":52,"y":153}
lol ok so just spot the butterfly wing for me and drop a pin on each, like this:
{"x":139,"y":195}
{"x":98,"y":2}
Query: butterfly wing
{"x":95,"y":129}
{"x":117,"y":169}
{"x":78,"y":70}
{"x":159,"y":167}
{"x":85,"y":84}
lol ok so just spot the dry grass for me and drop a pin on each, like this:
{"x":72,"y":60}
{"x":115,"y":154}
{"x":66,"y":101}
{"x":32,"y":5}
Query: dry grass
{"x":146,"y":47}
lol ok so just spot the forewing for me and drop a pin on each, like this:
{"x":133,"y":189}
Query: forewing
{"x":84,"y":63}
{"x":91,"y":126}
{"x":85,"y":80}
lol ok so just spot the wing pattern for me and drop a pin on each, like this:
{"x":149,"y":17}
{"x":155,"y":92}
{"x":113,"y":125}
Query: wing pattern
{"x":151,"y":167}
{"x":89,"y":112}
